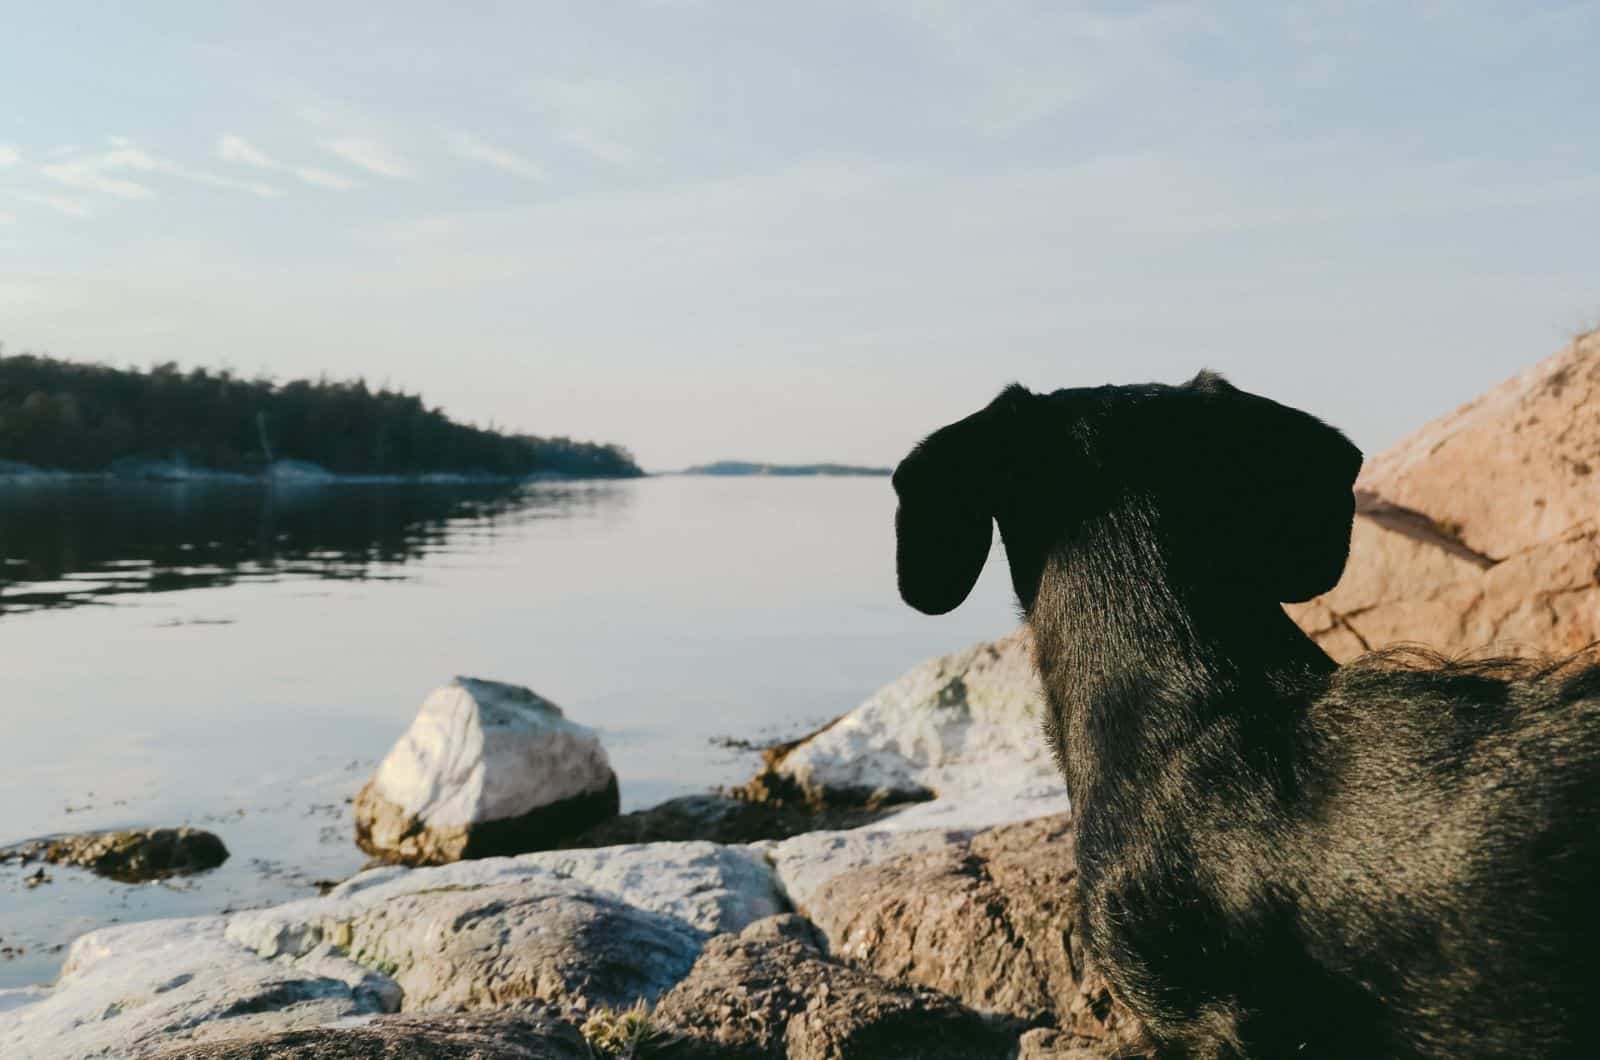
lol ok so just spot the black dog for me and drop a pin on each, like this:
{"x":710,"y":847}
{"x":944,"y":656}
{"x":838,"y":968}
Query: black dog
{"x":1278,"y":857}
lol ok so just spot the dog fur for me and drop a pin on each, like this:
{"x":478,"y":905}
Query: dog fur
{"x":1278,"y":857}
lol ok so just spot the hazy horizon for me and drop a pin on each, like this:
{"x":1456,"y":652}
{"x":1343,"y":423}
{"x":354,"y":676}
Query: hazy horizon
{"x":709,"y":231}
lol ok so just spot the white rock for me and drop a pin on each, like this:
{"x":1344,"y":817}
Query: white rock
{"x":478,"y":753}
{"x":126,"y":990}
{"x":965,"y":727}
{"x":611,"y":925}
{"x":973,"y":808}
{"x":17,"y":996}
{"x":806,"y":862}
{"x":709,"y":887}
{"x":482,"y":751}
{"x":953,"y":726}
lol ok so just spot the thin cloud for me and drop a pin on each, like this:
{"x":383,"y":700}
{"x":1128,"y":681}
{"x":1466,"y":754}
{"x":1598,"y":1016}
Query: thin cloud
{"x":237,"y":149}
{"x":591,"y":143}
{"x":8,"y":218}
{"x":254,"y":187}
{"x":372,"y":157}
{"x":324,"y":179}
{"x":61,"y":204}
{"x":105,"y":173}
{"x":96,"y":172}
{"x":472,"y":149}
{"x":8,"y":156}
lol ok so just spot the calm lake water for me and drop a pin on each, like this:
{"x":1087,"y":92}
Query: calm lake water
{"x":239,"y":658}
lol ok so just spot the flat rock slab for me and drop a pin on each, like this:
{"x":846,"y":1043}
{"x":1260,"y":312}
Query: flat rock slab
{"x":709,"y":887}
{"x":575,"y":928}
{"x":124,"y":989}
{"x":771,"y":993}
{"x":528,"y":1035}
{"x":991,"y":920}
{"x":807,"y":862}
{"x":133,"y":855}
{"x":540,"y":938}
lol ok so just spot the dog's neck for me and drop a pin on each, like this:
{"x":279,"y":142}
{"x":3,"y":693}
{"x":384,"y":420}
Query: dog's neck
{"x":1139,"y":661}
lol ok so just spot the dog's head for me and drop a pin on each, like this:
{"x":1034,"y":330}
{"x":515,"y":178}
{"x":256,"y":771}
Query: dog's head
{"x":1254,"y":492}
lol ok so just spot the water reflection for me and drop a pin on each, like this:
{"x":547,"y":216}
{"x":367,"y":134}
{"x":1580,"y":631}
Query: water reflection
{"x":73,"y":543}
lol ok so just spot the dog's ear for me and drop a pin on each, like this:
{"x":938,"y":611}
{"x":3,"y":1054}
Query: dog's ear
{"x":1287,"y":497}
{"x":945,"y":520}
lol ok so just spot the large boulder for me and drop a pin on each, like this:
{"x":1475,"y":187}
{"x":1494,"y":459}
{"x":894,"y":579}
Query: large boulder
{"x":485,"y":769}
{"x":1481,"y":531}
{"x":957,"y":738}
{"x":770,"y":992}
{"x":990,"y":920}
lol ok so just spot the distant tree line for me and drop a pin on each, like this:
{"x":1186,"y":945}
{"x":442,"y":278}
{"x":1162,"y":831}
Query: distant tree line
{"x":83,"y":417}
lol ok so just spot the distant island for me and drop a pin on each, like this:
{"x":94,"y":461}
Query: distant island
{"x":741,"y":467}
{"x":168,"y":423}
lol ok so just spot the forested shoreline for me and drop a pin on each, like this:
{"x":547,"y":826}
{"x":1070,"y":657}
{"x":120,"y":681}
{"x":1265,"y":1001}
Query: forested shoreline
{"x":69,"y":416}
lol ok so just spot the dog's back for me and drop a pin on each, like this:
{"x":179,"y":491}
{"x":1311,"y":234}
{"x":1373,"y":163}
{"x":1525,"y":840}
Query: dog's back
{"x":1415,"y":877}
{"x":1447,"y":843}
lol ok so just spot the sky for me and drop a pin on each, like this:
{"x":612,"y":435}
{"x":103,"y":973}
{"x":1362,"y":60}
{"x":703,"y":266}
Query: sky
{"x":805,"y":232}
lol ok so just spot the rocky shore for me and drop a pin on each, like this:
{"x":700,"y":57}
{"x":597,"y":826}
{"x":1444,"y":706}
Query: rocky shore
{"x":943,"y":924}
{"x":900,"y":883}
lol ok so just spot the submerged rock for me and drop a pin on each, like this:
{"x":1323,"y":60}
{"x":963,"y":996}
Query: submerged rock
{"x":132,"y":855}
{"x":1481,"y":530}
{"x":485,"y":769}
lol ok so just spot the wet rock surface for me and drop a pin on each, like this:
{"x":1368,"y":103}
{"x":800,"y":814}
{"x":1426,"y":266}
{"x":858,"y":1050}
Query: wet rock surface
{"x":1480,"y":532}
{"x":133,"y":855}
